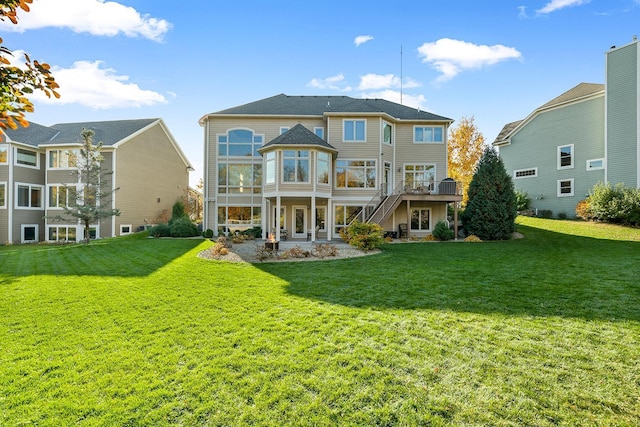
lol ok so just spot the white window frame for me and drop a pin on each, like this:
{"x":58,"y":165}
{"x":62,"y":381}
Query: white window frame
{"x":22,"y":228}
{"x":123,"y":226}
{"x":533,"y":175}
{"x":66,"y":227}
{"x":297,"y":158}
{"x":326,"y":162}
{"x":364,"y":167}
{"x":592,"y":168}
{"x":48,"y":195}
{"x":6,"y":150}
{"x":270,"y":165}
{"x":15,"y":158}
{"x":384,"y":125}
{"x":559,"y":185}
{"x":420,"y":209}
{"x":62,"y":154}
{"x":354,"y":140}
{"x":573,"y":157}
{"x":284,"y":129}
{"x":319,"y":131}
{"x":322,"y":227}
{"x":428,"y":127}
{"x":3,"y":199}
{"x":31,"y":186}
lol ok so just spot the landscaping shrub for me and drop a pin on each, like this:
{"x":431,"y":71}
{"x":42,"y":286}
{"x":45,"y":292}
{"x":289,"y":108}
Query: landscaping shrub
{"x":491,"y":209}
{"x":208,"y":233}
{"x":363,"y":236}
{"x":522,"y":201}
{"x":562,"y":215}
{"x":323,"y":250}
{"x":442,"y":232}
{"x":583,"y":209}
{"x":472,"y":238}
{"x":160,"y":230}
{"x":617,"y":204}
{"x":177,"y":211}
{"x":183,"y":227}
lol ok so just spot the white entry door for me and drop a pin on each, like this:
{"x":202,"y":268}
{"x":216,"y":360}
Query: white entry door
{"x":300,"y":221}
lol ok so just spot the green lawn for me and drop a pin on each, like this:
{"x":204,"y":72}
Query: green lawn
{"x":540,"y":331}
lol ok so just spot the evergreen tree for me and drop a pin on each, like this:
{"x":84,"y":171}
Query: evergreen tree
{"x":491,"y":209}
{"x":89,"y":200}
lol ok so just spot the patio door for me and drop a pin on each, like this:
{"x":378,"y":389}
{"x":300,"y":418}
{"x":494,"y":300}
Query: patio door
{"x":300,"y":221}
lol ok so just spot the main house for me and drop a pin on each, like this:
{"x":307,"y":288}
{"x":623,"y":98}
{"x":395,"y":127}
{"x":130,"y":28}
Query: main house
{"x":142,"y":157}
{"x":306,"y":166}
{"x":589,"y":134}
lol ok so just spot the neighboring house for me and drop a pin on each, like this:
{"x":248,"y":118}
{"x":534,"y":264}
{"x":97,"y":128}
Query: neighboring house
{"x":148,"y":166}
{"x":587,"y":135}
{"x":306,"y":166}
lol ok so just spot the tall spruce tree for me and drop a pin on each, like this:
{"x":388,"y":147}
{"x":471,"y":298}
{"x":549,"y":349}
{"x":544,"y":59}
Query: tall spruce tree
{"x":89,"y":200}
{"x":491,"y":209}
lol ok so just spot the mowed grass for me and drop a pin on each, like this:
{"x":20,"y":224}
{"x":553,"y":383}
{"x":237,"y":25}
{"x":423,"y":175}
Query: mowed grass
{"x":539,"y":331}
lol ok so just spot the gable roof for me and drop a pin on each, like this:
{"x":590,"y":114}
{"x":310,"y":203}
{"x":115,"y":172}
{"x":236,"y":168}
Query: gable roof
{"x":108,"y":132}
{"x":298,"y":135}
{"x":286,"y":105}
{"x":577,"y":93}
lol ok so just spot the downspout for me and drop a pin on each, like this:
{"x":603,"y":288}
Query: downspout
{"x":10,"y":190}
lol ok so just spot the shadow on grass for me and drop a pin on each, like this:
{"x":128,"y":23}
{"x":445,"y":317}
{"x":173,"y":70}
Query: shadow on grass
{"x":545,"y":274}
{"x":119,"y":257}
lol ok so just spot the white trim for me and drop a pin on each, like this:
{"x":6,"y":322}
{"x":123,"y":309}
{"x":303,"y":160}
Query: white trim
{"x":47,"y":160}
{"x":559,"y":182}
{"x":42,"y":190}
{"x":124,"y":233}
{"x":421,"y":208}
{"x":593,"y":168}
{"x":35,"y":151}
{"x":559,"y":157}
{"x":354,"y":141}
{"x":391,"y":135}
{"x":48,"y":227}
{"x":37,"y":233}
{"x":319,"y":128}
{"x":535,"y":173}
{"x":283,"y":129}
{"x":413,"y":136}
{"x":335,"y":174}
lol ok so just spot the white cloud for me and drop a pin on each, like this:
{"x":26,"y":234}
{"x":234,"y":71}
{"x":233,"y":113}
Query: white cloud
{"x":415,"y":101}
{"x":336,"y":82}
{"x":522,"y":11}
{"x":554,"y":5}
{"x":450,"y":57}
{"x":92,"y":85}
{"x":96,"y":17}
{"x":362,"y":39}
{"x":382,"y":81}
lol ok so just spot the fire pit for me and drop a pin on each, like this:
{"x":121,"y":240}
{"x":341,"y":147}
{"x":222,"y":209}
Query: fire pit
{"x":272,"y":245}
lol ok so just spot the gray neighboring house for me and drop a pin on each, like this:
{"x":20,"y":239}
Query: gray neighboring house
{"x":589,"y":134}
{"x":36,"y":162}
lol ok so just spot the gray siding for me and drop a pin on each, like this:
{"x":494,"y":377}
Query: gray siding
{"x":622,"y":115}
{"x":536,"y":146}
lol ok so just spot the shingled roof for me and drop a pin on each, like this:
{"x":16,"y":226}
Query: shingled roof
{"x":298,"y":135}
{"x":286,"y":105}
{"x":107,"y":132}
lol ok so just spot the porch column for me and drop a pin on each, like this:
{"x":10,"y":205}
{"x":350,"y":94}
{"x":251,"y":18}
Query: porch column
{"x":265,"y":218}
{"x":455,"y":220}
{"x":408,"y":219}
{"x":313,"y":218}
{"x":277,"y":236}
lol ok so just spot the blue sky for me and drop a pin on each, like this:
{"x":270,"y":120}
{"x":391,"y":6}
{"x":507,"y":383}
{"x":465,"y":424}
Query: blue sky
{"x":494,"y":60}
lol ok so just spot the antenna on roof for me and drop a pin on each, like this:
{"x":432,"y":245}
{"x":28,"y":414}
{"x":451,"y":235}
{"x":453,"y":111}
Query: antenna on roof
{"x":400,"y":74}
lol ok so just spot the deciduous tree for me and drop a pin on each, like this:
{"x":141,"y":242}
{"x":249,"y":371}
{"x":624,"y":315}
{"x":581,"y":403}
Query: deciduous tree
{"x":465,"y":147}
{"x":89,"y":200}
{"x":18,"y":82}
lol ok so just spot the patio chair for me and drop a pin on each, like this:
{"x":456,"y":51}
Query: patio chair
{"x":403,"y":232}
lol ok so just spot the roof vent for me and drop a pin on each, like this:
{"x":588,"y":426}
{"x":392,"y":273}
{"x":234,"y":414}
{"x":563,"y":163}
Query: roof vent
{"x":634,"y":38}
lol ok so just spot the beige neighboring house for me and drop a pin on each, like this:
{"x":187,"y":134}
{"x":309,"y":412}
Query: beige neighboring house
{"x":148,"y":166}
{"x":303,"y":167}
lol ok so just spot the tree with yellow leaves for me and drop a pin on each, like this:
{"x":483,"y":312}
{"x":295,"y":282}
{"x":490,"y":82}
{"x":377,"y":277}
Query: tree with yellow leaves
{"x":16,"y":83}
{"x":465,"y":148}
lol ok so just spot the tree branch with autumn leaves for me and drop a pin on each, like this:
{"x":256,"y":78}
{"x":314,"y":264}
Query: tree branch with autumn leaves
{"x":18,"y":83}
